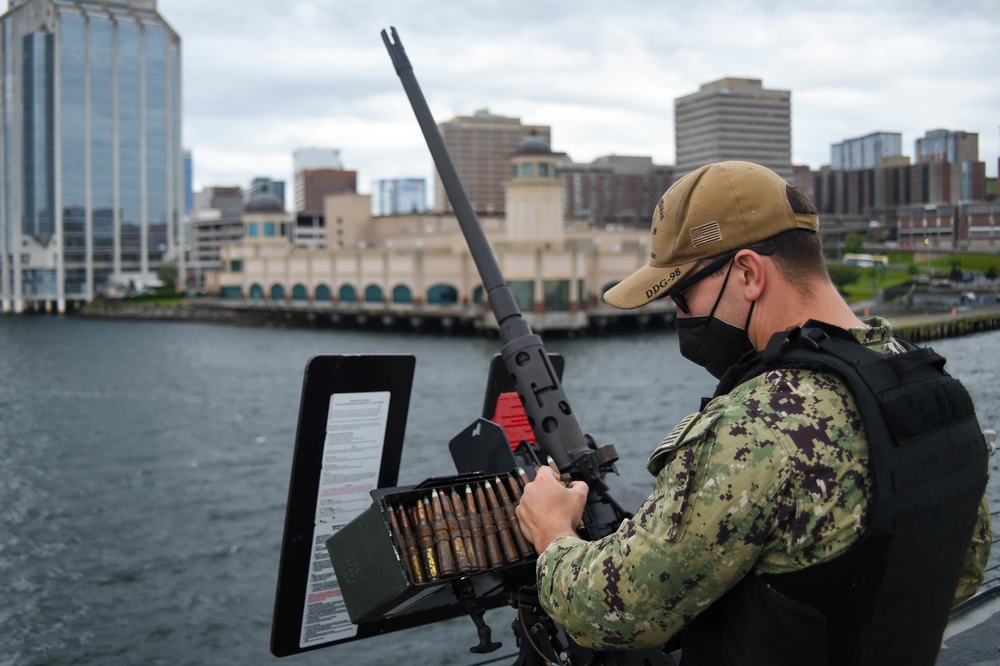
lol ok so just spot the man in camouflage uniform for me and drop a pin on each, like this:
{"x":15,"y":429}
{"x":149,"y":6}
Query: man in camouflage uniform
{"x":768,"y":478}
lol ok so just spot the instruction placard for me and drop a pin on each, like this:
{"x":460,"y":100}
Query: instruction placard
{"x":352,"y":452}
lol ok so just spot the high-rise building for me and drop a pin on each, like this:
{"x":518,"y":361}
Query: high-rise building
{"x":481,"y":146}
{"x":188,"y":182}
{"x":960,"y":150}
{"x":316,"y":158}
{"x":614,"y":189}
{"x":228,"y":200}
{"x":398,"y":196}
{"x":311,"y":185}
{"x":865,"y":152}
{"x":734,"y":119}
{"x":91,"y":170}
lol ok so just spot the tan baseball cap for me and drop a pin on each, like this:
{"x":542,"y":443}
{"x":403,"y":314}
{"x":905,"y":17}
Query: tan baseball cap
{"x":710,"y":211}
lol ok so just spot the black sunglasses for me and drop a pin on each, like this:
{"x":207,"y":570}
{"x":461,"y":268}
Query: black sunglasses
{"x":677,"y":293}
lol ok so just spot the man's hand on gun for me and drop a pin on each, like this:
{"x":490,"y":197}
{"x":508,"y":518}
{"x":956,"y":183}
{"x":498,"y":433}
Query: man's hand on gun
{"x":549,"y":509}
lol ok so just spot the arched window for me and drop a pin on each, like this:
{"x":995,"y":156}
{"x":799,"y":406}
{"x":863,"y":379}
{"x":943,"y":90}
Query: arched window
{"x":401,"y":294}
{"x":256,"y":292}
{"x":277,"y":292}
{"x":322,"y":293}
{"x":478,"y":294}
{"x":373,"y":294}
{"x":442,"y":294}
{"x":232,"y":292}
{"x":299,"y":292}
{"x":348,"y":294}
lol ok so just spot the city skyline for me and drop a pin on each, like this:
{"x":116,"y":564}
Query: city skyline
{"x":604,"y":77}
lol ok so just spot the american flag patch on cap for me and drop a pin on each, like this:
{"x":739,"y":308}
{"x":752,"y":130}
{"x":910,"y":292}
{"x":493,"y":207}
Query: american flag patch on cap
{"x":705,"y":234}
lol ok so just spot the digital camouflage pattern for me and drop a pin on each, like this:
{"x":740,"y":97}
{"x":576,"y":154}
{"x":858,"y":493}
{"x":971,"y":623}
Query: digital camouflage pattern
{"x":770,"y":478}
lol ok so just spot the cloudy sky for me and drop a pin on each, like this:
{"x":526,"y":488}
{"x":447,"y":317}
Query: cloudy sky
{"x":264,"y":78}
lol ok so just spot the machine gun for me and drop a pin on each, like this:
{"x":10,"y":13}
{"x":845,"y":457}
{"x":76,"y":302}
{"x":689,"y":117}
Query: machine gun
{"x":549,"y":413}
{"x":537,"y":384}
{"x":376,"y":555}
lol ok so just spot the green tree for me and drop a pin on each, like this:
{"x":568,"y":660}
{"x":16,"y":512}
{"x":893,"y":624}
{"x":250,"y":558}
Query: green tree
{"x":841,"y":275}
{"x":854,"y":243}
{"x":167,"y":274}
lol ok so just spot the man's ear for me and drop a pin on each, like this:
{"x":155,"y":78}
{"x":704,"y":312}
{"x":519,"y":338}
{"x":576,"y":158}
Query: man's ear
{"x":752,"y":273}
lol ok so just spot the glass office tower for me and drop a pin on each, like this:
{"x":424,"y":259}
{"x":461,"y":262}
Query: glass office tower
{"x":91,"y":175}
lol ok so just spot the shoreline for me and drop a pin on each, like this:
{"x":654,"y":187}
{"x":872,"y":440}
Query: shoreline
{"x":915,"y":327}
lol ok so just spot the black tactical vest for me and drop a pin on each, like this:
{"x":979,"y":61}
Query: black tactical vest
{"x":885,"y":600}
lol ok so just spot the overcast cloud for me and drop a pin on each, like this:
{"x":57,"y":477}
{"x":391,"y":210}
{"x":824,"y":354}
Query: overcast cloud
{"x":264,"y":78}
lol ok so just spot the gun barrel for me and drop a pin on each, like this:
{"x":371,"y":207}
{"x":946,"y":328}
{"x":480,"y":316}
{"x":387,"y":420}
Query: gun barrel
{"x":545,"y":403}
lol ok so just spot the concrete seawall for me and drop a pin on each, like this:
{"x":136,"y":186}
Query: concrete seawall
{"x":915,"y":327}
{"x":934,"y":326}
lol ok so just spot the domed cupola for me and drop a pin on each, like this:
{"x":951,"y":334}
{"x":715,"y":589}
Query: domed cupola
{"x":534,"y":193}
{"x":264,"y":202}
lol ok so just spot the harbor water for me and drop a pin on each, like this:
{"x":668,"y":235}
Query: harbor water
{"x":144,"y":470}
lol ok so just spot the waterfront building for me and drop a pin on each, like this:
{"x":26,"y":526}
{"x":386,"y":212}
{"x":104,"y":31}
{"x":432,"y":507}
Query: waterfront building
{"x":480,"y":146}
{"x":414,"y":264}
{"x":865,"y":152}
{"x":91,"y":167}
{"x":311,"y":185}
{"x":397,"y":196}
{"x":734,"y":119}
{"x":614,"y":189}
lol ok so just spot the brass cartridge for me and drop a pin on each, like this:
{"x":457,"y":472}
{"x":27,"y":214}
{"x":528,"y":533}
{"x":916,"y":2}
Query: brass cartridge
{"x":462,"y":561}
{"x":515,"y":488}
{"x":476,"y":528}
{"x":442,"y":542}
{"x":425,"y":542}
{"x":412,"y":553}
{"x":515,"y":527}
{"x":524,"y":477}
{"x":493,"y":553}
{"x":463,"y":527}
{"x":555,"y":468}
{"x":503,"y":526}
{"x":400,"y":539}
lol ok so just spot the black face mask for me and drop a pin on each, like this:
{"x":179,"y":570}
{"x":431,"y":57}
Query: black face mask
{"x":712,"y":343}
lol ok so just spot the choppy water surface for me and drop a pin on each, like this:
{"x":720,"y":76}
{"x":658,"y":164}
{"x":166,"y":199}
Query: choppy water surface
{"x":144,"y":471}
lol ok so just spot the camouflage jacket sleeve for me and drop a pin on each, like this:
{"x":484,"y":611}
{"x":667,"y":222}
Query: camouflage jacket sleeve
{"x":771,"y":478}
{"x":978,"y":557}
